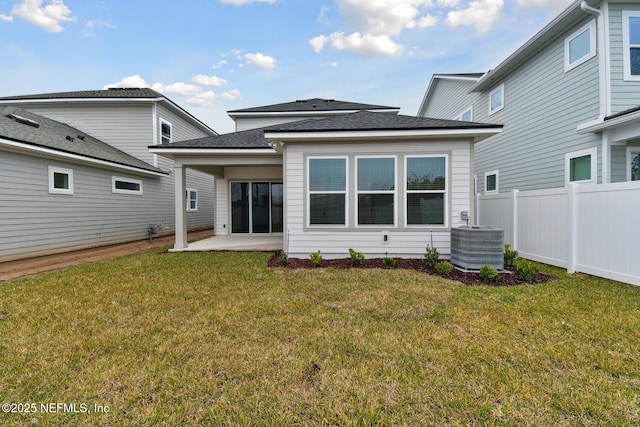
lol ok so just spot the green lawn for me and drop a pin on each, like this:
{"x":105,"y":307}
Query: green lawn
{"x":219,"y":338}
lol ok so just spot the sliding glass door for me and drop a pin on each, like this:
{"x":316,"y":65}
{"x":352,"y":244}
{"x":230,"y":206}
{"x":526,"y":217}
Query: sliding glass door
{"x":256,"y":207}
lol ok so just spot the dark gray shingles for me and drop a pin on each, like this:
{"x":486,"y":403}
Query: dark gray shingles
{"x":375,"y":121}
{"x":248,"y":139}
{"x":116,"y":93}
{"x":53,"y":135}
{"x":314,"y":104}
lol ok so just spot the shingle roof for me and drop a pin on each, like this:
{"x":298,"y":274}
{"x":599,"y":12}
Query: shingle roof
{"x":107,"y":93}
{"x":314,"y":104}
{"x":359,"y":121}
{"x":370,"y":121}
{"x":61,"y":137}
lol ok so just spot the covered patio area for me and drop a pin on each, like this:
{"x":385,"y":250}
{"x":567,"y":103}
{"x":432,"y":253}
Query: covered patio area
{"x":235,"y":243}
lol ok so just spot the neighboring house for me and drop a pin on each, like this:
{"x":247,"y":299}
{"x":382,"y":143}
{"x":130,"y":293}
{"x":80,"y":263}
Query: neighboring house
{"x":569,"y":100}
{"x":101,"y":185}
{"x":329,"y":175}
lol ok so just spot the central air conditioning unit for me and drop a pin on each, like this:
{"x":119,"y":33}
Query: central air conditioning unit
{"x":477,"y":245}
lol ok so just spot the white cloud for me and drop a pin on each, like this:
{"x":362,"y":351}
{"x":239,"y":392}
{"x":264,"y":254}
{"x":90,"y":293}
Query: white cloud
{"x":231,"y":95}
{"x":553,"y":5}
{"x":322,"y":17}
{"x":90,"y":26}
{"x":6,"y":18}
{"x":366,"y":44}
{"x":130,"y":81}
{"x":47,"y":17}
{"x":213,"y":81}
{"x":219,"y":64}
{"x":428,"y":21}
{"x":448,"y":3}
{"x":481,"y":14}
{"x":203,"y":99}
{"x":178,"y":88}
{"x":382,"y":17}
{"x":260,"y":60}
{"x":242,"y":2}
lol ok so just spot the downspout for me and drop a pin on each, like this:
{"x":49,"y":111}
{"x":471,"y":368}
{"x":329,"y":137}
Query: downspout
{"x":603,"y":56}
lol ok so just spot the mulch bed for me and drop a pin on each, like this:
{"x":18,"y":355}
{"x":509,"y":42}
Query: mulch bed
{"x":468,"y":278}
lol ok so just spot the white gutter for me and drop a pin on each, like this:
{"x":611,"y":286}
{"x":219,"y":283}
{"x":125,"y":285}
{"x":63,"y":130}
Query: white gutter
{"x":380,"y":134}
{"x":603,"y":60}
{"x":76,"y":158}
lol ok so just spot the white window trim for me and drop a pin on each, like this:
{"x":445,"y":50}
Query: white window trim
{"x":498,"y":88}
{"x":593,"y":152}
{"x":121,"y":191}
{"x":631,"y":151}
{"x":52,"y":189}
{"x":468,"y":110}
{"x":446,"y":192}
{"x":188,"y":196}
{"x":345,"y":192}
{"x":591,"y":26}
{"x":626,"y":14}
{"x":394,"y":192}
{"x":165,"y":122}
{"x":487,"y":174}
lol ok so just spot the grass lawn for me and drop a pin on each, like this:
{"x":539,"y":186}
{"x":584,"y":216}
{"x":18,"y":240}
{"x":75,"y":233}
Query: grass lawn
{"x":220,"y":339}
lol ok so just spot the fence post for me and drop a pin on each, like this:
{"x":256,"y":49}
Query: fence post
{"x":573,"y":228}
{"x":477,"y":209}
{"x":514,"y":218}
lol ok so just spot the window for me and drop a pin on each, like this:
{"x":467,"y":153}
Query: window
{"x":581,"y":166}
{"x":633,"y":160}
{"x":126,"y":185}
{"x":467,"y":116}
{"x":60,"y":180}
{"x":580,"y":46}
{"x":166,"y":132}
{"x":631,"y":34}
{"x":327,"y":184}
{"x":192,"y":200}
{"x":491,"y":182}
{"x":496,"y":99}
{"x":376,"y":185}
{"x":426,"y":180}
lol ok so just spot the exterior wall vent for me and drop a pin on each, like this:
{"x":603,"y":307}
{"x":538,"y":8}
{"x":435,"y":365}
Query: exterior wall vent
{"x":475,"y":246}
{"x":23,"y":120}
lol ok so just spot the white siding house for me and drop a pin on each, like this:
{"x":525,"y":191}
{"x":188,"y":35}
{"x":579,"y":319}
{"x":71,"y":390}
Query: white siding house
{"x":352,"y":175}
{"x":109,"y":203}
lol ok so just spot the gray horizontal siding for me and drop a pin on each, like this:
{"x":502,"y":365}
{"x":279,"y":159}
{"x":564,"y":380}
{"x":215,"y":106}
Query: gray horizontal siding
{"x":624,"y":94}
{"x":451,"y":98}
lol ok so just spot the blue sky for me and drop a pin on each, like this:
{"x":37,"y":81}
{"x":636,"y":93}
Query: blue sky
{"x":211,"y":56}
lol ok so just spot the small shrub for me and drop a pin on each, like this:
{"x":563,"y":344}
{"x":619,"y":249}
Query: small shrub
{"x":444,"y":268}
{"x":388,"y":261}
{"x":489,"y":274}
{"x":282,"y":259}
{"x":510,"y":256}
{"x":525,"y":270}
{"x":316,"y":259}
{"x":357,"y":258}
{"x":431,"y":256}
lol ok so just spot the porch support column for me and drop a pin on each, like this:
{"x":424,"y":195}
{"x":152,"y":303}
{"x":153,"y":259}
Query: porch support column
{"x":181,"y":207}
{"x":606,"y":158}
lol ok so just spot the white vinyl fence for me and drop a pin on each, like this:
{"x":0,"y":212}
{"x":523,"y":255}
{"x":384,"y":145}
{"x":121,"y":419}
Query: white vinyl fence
{"x":594,"y":229}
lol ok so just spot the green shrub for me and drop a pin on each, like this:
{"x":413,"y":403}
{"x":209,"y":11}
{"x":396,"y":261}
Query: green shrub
{"x":316,"y":259}
{"x":489,"y":274}
{"x":510,"y":256}
{"x":388,"y":261}
{"x":357,"y":258}
{"x":282,"y":259}
{"x":431,"y":257}
{"x":444,"y":268}
{"x":525,"y":270}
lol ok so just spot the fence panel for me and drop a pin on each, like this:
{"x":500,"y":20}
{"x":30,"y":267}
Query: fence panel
{"x":591,"y":229}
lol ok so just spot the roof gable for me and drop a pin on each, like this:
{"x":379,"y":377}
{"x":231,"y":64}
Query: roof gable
{"x":34,"y":130}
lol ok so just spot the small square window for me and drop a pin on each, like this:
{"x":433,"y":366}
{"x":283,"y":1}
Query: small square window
{"x":633,"y":171}
{"x":580,"y":46}
{"x":631,"y":43}
{"x":467,"y":116}
{"x":581,"y":166}
{"x":496,"y":99}
{"x":491,"y":182}
{"x":60,"y":180}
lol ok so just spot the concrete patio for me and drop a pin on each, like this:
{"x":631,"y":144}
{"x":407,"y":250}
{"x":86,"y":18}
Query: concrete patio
{"x":234,"y":243}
